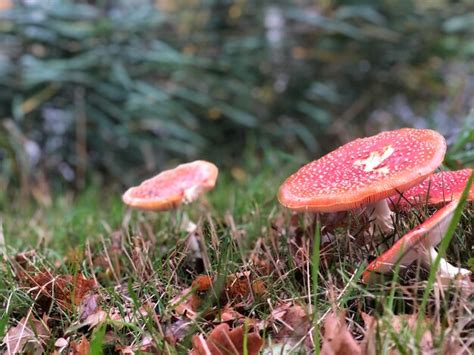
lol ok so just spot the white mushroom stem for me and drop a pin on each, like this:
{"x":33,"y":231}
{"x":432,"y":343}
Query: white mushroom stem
{"x":418,"y":244}
{"x":445,"y":268}
{"x":434,"y":237}
{"x":381,"y":215}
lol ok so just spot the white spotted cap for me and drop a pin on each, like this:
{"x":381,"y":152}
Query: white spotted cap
{"x":364,"y":171}
{"x":171,"y":188}
{"x":437,"y":189}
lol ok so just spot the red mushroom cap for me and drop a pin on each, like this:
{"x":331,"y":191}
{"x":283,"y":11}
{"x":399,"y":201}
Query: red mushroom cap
{"x":410,"y":247}
{"x":439,"y":188}
{"x":170,"y":188}
{"x":364,"y":171}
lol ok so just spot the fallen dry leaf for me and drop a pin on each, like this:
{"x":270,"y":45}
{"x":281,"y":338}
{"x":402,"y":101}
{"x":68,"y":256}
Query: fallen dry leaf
{"x":146,"y":345}
{"x":455,"y":346}
{"x":177,"y":330}
{"x":186,"y":303}
{"x":111,"y":337}
{"x":64,"y":290}
{"x":258,"y":288}
{"x":141,"y":257}
{"x":262,"y":265}
{"x":294,"y":323}
{"x":25,"y":258}
{"x":29,"y":335}
{"x":241,"y":287}
{"x":88,"y":306}
{"x":47,"y":288}
{"x":61,"y":344}
{"x":94,"y":319}
{"x":81,"y":287}
{"x":202,"y":283}
{"x":222,"y":341}
{"x":397,"y":324}
{"x":337,"y":340}
{"x":411,"y":321}
{"x":81,"y":348}
{"x":368,"y":343}
{"x":228,"y":314}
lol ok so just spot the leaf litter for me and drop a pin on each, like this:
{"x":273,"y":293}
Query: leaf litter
{"x":212,"y":313}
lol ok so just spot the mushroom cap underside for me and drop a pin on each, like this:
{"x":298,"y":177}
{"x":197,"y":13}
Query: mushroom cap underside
{"x":409,"y":247}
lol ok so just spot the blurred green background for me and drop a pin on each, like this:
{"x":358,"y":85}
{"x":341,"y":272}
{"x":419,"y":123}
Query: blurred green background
{"x":114,"y":91}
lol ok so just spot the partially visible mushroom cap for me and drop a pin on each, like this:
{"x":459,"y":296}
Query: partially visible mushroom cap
{"x":416,"y":244}
{"x":173,"y":187}
{"x":439,"y":188}
{"x":364,"y":171}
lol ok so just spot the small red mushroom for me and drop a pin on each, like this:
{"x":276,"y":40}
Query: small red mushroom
{"x":170,"y":188}
{"x":438,"y":189}
{"x":418,"y":244}
{"x":364,"y":172}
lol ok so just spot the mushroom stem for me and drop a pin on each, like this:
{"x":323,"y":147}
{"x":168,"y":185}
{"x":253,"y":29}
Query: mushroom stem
{"x":419,"y":244}
{"x":381,"y":215}
{"x":445,"y":268}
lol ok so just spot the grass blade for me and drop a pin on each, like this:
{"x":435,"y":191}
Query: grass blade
{"x":443,"y":246}
{"x":315,"y":258}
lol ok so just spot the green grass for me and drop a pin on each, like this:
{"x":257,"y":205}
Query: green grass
{"x":142,"y":261}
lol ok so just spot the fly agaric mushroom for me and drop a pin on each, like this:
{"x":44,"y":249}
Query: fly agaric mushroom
{"x":418,"y":244}
{"x":365,"y":172}
{"x":173,"y":187}
{"x":439,"y":188}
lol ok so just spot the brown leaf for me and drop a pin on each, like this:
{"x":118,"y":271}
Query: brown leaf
{"x":263,"y":265}
{"x":229,"y":314}
{"x":88,"y":306}
{"x":187,"y":303}
{"x":238,"y":286}
{"x":241,"y":287}
{"x":81,"y":348}
{"x":61,"y":343}
{"x":258,"y":288}
{"x":222,"y":340}
{"x":81,"y":287}
{"x":49,"y":288}
{"x":397,"y":324}
{"x":29,"y":335}
{"x":64,"y":290}
{"x":177,"y":331}
{"x":122,"y":349}
{"x":25,"y":258}
{"x":294,"y":320}
{"x":111,"y":337}
{"x":368,"y":343}
{"x":146,"y":345}
{"x":202,"y":283}
{"x":94,"y":319}
{"x":454,"y":346}
{"x":411,"y":321}
{"x":337,"y":339}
